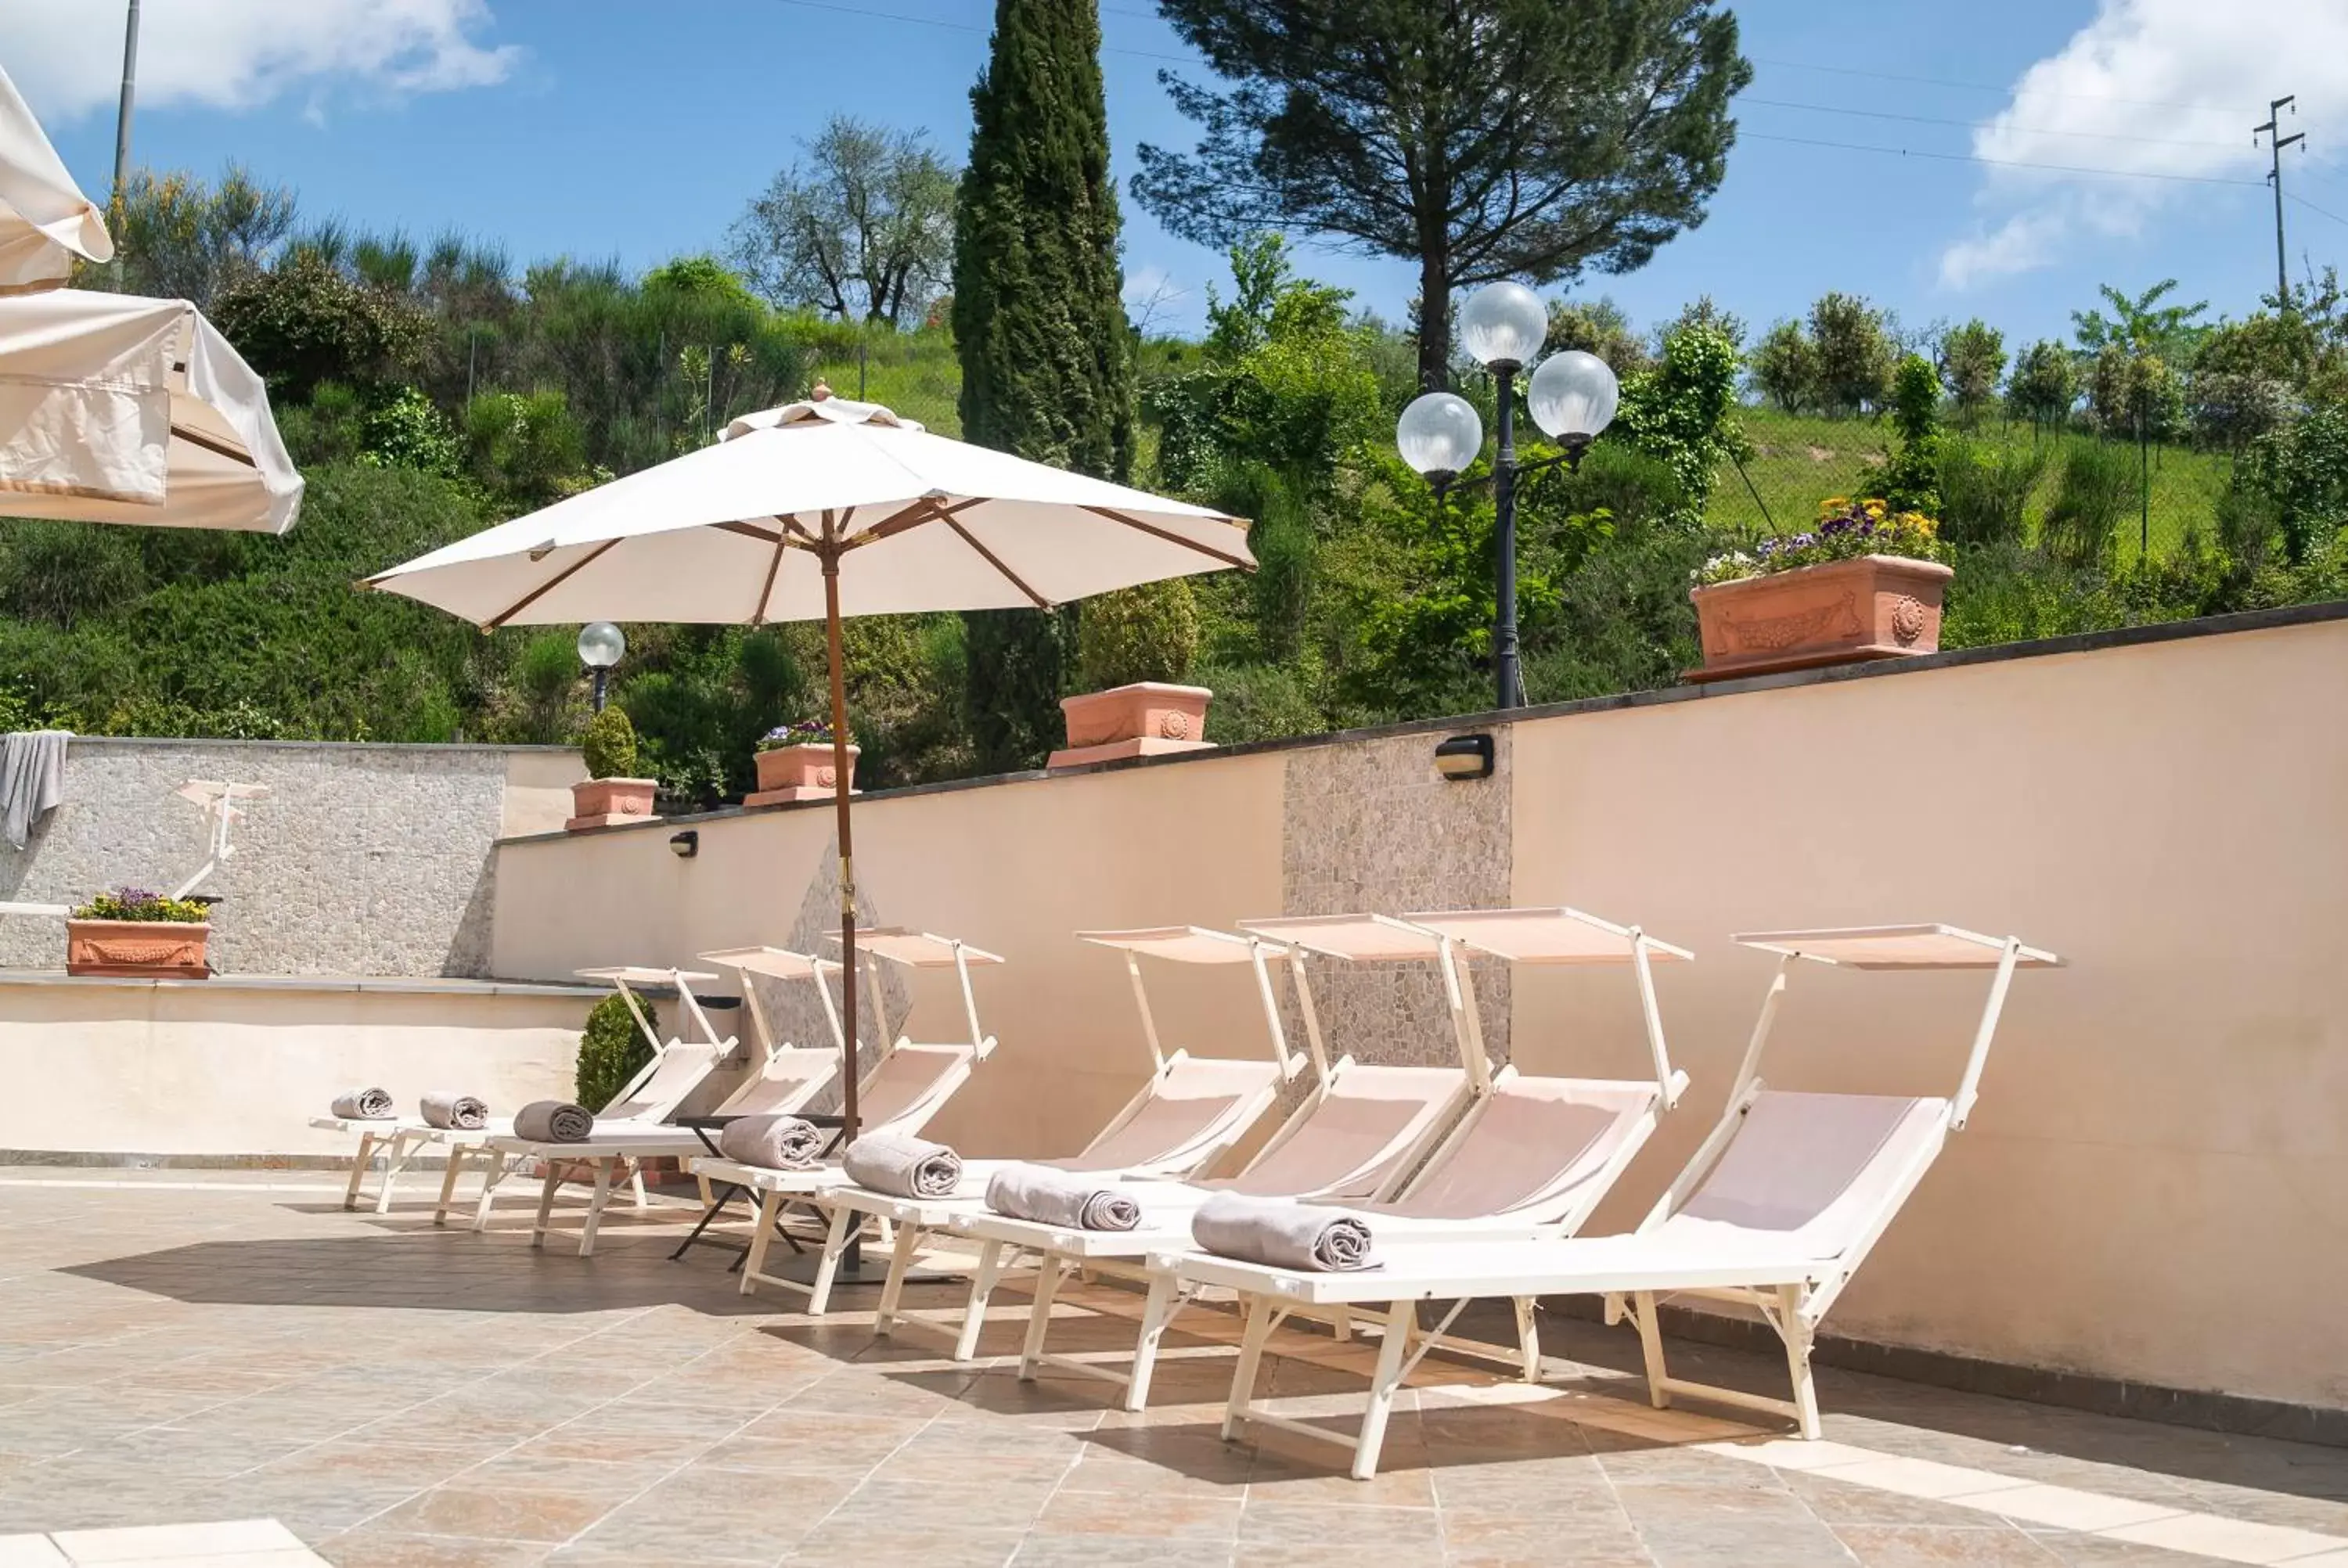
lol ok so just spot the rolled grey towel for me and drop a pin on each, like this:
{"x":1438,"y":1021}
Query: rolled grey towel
{"x":902,"y":1165}
{"x":364,"y":1104}
{"x":454,"y":1112}
{"x":1055,"y":1197}
{"x":773,"y":1142}
{"x":1283,"y":1233}
{"x":554,"y":1121}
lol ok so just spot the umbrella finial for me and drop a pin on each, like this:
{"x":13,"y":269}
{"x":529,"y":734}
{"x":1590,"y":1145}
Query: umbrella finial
{"x":822,"y":390}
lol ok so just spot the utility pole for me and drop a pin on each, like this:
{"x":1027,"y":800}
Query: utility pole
{"x":122,"y":129}
{"x":2276,"y":142}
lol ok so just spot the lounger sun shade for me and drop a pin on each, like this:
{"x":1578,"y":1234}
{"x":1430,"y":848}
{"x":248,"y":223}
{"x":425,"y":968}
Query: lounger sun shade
{"x":1776,"y":1212}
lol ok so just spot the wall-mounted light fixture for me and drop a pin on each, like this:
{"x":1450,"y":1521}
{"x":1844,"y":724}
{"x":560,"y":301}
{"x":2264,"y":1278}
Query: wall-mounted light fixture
{"x":1463,"y":757}
{"x":686,"y":844}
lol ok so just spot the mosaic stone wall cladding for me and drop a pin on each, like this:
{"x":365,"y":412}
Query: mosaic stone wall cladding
{"x":366,"y":860}
{"x":1370,"y":826}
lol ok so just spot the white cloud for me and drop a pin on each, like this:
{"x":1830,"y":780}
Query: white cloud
{"x":2166,"y":88}
{"x":67,"y":58}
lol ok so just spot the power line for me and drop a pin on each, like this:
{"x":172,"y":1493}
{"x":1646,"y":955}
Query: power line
{"x":2312,"y":206}
{"x":2003,"y":162}
{"x":1979,"y":124}
{"x":862,"y":15}
{"x":1984,"y":87}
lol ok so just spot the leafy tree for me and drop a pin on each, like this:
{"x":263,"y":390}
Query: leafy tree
{"x":2245,"y":375}
{"x":2136,"y":395}
{"x":1910,"y":478}
{"x":182,"y":238}
{"x":1038,"y":320}
{"x":861,"y":229}
{"x":700,"y":278}
{"x":1972,"y":362}
{"x":306,"y":321}
{"x":1479,"y":140}
{"x":1149,"y":632}
{"x":1856,"y":353}
{"x":1597,"y":326}
{"x":1682,"y":413}
{"x":1785,"y":368}
{"x":611,"y":1050}
{"x":2141,"y":324}
{"x":525,"y":448}
{"x":2043,"y":386}
{"x":2303,"y":468}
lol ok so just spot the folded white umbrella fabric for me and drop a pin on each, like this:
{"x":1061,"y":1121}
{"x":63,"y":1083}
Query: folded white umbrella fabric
{"x":119,"y":409}
{"x":822,"y":510}
{"x":45,"y":219}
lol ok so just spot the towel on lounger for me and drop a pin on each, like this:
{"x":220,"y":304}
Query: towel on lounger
{"x":1283,"y":1233}
{"x":554,"y":1121}
{"x":772,"y":1143}
{"x":1055,"y":1197}
{"x":903,"y":1165}
{"x":364,"y":1104}
{"x":453,"y":1111}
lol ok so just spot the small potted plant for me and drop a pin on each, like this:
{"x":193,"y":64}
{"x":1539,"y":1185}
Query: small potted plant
{"x":609,"y":793}
{"x":1135,"y":646}
{"x":795,"y":761}
{"x":133,"y":932}
{"x":1864,"y":582}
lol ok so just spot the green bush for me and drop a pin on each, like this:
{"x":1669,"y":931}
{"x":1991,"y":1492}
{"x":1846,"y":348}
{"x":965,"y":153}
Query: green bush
{"x":1984,"y":488}
{"x":609,"y":744}
{"x":1145,"y":633}
{"x":2098,"y":488}
{"x":611,"y":1050}
{"x":2303,"y":468}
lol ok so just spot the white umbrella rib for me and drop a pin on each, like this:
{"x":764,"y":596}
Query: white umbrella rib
{"x":548,"y":585}
{"x":1171,"y":537}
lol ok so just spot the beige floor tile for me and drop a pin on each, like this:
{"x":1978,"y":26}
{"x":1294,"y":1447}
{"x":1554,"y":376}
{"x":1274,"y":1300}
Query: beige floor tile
{"x":147,"y":1543}
{"x":2233,"y":1540}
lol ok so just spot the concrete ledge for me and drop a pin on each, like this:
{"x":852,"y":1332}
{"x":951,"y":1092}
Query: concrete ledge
{"x":402,"y":984}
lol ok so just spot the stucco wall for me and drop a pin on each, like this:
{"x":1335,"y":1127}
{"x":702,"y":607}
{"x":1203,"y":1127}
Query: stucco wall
{"x":365,"y":860}
{"x":2149,"y":1189}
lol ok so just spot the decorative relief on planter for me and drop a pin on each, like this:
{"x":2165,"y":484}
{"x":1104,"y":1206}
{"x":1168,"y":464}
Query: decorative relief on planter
{"x":1871,"y":607}
{"x":806,"y":772}
{"x":1145,"y":719}
{"x":601,"y":803}
{"x":151,"y":950}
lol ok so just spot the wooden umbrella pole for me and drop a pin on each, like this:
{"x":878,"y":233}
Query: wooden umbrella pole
{"x":839,"y":782}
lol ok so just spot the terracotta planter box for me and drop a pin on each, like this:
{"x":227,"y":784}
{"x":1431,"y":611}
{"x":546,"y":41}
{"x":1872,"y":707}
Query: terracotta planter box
{"x":1142,"y":720}
{"x":600,"y":803}
{"x":150,"y":949}
{"x":799,"y":773}
{"x":1871,"y":607}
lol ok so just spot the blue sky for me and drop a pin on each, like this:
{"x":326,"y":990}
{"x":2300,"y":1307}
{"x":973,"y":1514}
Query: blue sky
{"x":599,"y":129}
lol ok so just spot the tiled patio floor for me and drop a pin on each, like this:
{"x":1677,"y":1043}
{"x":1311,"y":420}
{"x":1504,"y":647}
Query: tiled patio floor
{"x":187,"y":1349}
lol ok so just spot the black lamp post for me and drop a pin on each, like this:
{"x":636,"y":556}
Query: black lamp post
{"x":599,"y":647}
{"x":1573,"y":396}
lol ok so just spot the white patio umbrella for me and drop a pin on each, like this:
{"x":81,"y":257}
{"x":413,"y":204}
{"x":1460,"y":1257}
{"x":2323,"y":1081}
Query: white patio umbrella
{"x":822,"y":508}
{"x":114,"y":408}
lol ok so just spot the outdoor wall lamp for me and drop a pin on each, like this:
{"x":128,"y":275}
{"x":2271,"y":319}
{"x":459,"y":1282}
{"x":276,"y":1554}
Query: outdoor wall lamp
{"x":1463,"y":757}
{"x":686,"y":844}
{"x":599,"y":647}
{"x":1573,"y":396}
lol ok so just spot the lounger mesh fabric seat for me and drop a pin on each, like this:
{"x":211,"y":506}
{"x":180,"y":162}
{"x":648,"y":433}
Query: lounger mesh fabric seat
{"x":1538,"y":1146}
{"x":1192,"y":1107}
{"x":1356,"y":1135}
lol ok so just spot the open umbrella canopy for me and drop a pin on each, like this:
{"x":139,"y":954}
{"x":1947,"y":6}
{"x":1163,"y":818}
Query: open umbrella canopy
{"x":118,"y":409}
{"x":737,"y":533}
{"x":45,"y":219}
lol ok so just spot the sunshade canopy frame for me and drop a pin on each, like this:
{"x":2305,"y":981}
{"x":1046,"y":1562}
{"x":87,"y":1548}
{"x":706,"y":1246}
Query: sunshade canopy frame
{"x":1201,"y":945}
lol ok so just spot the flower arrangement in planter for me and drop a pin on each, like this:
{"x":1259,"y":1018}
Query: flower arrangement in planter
{"x":133,"y":932}
{"x":609,"y":793}
{"x":1135,"y":646}
{"x":1863,"y":582}
{"x":795,"y":761}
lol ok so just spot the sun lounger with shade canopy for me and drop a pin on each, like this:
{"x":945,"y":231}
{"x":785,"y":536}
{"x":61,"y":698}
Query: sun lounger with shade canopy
{"x":1776,"y":1212}
{"x":1186,"y":1115}
{"x":1527,"y":1156}
{"x":677,"y":1068}
{"x":905,"y":1087}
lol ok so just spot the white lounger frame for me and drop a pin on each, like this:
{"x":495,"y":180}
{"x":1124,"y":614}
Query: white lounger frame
{"x":1791,"y":1295}
{"x":1437,"y":936}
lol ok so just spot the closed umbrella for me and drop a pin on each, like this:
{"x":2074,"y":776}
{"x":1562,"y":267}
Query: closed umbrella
{"x":824,"y":508}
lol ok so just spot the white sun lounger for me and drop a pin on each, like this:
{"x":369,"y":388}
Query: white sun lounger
{"x":1776,"y":1212}
{"x":1186,"y":1115}
{"x":906,"y":1087}
{"x":677,"y":1068}
{"x":1530,"y":1156}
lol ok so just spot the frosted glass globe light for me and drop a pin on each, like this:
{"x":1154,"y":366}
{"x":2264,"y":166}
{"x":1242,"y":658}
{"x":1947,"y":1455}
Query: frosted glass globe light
{"x":1504,"y":324}
{"x":600,"y":645}
{"x":1439,"y":434}
{"x":1573,"y":396}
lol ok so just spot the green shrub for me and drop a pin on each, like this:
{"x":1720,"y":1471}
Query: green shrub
{"x":2304,"y":469}
{"x":609,"y":744}
{"x":1910,"y":480}
{"x":1984,"y":488}
{"x":611,"y":1049}
{"x":2098,"y":488}
{"x":1145,"y":633}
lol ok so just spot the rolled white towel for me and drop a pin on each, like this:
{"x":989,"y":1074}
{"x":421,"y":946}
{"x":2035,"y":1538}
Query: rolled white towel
{"x":364,"y":1104}
{"x":1283,"y":1233}
{"x":903,"y":1165}
{"x":452,"y":1111}
{"x":1051,"y":1196}
{"x":554,"y":1121}
{"x":772,"y":1143}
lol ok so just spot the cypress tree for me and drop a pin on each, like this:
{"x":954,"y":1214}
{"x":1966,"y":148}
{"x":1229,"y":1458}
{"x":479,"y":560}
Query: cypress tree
{"x":1039,"y":324}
